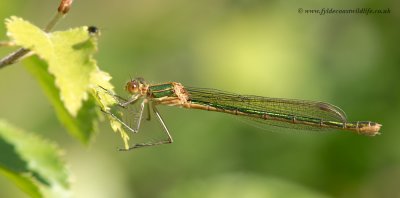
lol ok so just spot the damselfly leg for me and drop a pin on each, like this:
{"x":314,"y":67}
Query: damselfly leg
{"x":169,"y":139}
{"x":140,"y":115}
{"x":117,"y":98}
{"x":148,"y":112}
{"x":125,"y":104}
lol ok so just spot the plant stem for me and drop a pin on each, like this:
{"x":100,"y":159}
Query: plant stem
{"x":13,"y":57}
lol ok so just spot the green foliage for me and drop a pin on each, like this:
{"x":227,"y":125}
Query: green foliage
{"x":68,"y":75}
{"x":84,"y":124}
{"x":70,"y":78}
{"x":68,"y":54}
{"x":32,"y":163}
{"x":105,"y":101}
{"x":23,"y":181}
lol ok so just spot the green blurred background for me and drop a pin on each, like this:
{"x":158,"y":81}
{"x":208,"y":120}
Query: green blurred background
{"x":251,"y":47}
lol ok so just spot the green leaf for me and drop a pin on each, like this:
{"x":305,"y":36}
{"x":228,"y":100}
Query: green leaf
{"x":70,"y":78}
{"x":106,"y":101}
{"x":83,"y":126}
{"x":24,"y":182}
{"x":68,"y":54}
{"x":32,"y":163}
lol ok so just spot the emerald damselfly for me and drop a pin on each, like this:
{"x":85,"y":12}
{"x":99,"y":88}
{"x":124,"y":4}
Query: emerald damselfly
{"x":276,"y":112}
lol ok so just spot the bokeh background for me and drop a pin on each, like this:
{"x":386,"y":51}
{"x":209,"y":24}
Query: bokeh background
{"x":251,"y":47}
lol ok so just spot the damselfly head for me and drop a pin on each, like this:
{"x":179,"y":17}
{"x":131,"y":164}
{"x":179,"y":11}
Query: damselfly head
{"x":135,"y":86}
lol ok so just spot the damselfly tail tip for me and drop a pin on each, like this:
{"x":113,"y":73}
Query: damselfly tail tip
{"x":371,"y":129}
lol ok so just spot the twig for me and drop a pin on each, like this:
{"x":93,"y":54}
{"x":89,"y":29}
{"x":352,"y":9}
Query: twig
{"x":63,"y":8}
{"x":13,"y":57}
{"x":54,"y":21}
{"x":7,"y":43}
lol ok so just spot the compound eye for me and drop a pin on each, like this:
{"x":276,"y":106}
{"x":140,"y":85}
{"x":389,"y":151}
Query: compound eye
{"x":132,"y":86}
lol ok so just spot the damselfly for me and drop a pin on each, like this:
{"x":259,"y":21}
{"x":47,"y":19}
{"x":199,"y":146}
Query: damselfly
{"x":276,"y":112}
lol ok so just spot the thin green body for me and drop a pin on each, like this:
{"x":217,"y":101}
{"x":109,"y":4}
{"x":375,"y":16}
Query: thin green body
{"x":317,"y":122}
{"x":278,"y":112}
{"x":284,"y":113}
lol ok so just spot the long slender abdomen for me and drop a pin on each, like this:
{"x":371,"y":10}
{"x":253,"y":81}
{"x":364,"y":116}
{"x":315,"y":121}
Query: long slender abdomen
{"x":361,"y":127}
